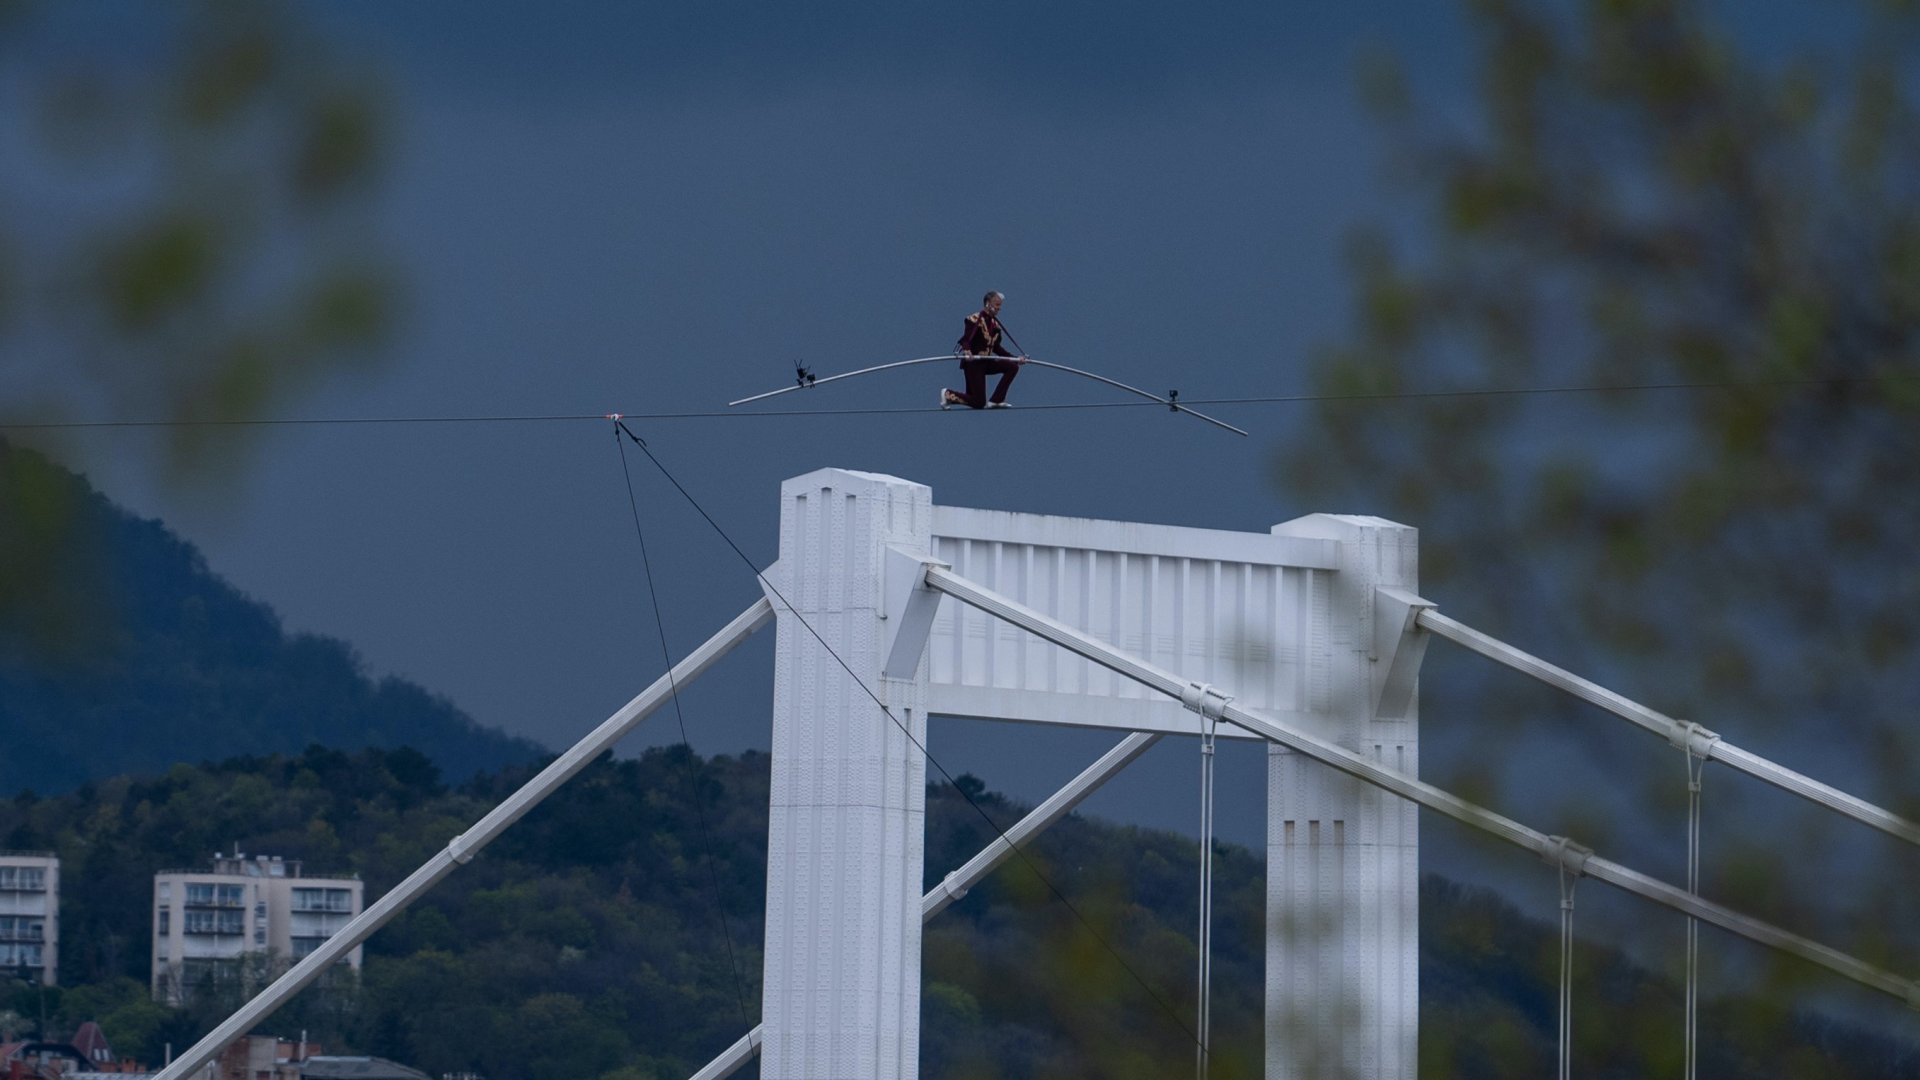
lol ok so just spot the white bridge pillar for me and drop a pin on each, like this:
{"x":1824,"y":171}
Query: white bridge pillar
{"x":845,"y":837}
{"x":1343,"y":857}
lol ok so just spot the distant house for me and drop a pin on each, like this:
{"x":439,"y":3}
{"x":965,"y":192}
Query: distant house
{"x":92,"y":1044}
{"x":205,"y":922}
{"x":38,"y":1060}
{"x":30,"y":913}
{"x":357,"y":1068}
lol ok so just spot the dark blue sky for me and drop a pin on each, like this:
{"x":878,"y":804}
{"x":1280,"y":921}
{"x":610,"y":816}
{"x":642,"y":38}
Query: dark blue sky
{"x":644,"y":208}
{"x":659,"y":207}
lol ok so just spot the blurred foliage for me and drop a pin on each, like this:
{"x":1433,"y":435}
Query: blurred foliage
{"x":185,"y":232}
{"x":1640,"y":195}
{"x":188,"y":233}
{"x":587,"y":941}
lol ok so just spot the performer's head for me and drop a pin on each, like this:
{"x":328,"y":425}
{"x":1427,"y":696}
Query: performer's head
{"x":991,"y":302}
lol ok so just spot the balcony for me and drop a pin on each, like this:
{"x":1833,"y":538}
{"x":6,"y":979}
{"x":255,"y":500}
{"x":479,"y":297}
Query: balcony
{"x":34,"y":934}
{"x":215,"y":927}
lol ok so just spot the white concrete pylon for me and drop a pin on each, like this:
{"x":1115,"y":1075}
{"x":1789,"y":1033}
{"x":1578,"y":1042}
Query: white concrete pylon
{"x":846,"y":832}
{"x":1342,"y":857}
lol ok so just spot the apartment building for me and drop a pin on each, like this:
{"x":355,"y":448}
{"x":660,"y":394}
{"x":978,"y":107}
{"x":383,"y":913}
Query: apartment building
{"x":209,"y":923}
{"x":30,"y":914}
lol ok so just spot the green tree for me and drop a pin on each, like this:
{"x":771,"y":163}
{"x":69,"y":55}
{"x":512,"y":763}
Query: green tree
{"x":1643,"y":198}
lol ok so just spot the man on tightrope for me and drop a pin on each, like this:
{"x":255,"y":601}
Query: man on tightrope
{"x":981,"y":355}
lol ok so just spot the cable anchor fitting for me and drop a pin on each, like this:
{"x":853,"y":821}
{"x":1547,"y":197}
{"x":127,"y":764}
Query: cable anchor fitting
{"x":1205,"y":700}
{"x":1567,"y":855}
{"x":1697,"y":741}
{"x":1173,"y":398}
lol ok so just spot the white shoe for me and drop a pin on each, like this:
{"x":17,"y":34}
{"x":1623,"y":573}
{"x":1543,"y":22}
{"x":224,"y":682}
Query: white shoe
{"x":946,"y":402}
{"x":999,"y":404}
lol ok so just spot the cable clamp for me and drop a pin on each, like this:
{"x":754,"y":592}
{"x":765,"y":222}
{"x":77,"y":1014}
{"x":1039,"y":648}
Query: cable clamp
{"x":947,"y":884}
{"x":1205,"y":700}
{"x":1172,"y":397}
{"x":459,"y":851}
{"x":1691,"y":737}
{"x":1567,"y":855}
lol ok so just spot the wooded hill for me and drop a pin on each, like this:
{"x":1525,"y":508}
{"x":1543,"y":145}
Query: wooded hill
{"x":120,"y":651}
{"x":616,"y":932}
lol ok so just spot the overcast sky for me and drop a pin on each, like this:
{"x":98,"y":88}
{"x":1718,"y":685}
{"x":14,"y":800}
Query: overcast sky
{"x":660,"y":208}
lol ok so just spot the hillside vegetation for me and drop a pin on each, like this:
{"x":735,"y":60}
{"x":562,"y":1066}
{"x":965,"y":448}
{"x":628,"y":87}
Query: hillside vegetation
{"x":595,"y":938}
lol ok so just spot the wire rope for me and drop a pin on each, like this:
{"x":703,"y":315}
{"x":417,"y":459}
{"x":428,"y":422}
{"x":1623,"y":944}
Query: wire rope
{"x":715,"y":414}
{"x":1202,"y":1051}
{"x":1567,"y":884}
{"x":1696,"y":772}
{"x":693,"y":776}
{"x":1025,"y":859}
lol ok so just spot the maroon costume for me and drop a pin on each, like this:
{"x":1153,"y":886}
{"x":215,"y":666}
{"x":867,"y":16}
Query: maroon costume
{"x":980,"y":337}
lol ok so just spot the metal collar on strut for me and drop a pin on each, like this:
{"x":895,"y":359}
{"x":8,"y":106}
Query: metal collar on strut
{"x":1567,"y":855}
{"x":1205,"y":700}
{"x":1691,"y":737}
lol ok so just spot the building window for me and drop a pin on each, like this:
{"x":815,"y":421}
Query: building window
{"x":23,"y":878}
{"x":22,"y":954}
{"x":230,"y":896}
{"x":322,"y":900}
{"x":165,"y":925}
{"x":200,"y":893}
{"x":22,"y":928}
{"x":198,"y":922}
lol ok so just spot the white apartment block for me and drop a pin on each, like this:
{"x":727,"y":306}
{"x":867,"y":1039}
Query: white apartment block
{"x":30,"y":913}
{"x":207,"y":922}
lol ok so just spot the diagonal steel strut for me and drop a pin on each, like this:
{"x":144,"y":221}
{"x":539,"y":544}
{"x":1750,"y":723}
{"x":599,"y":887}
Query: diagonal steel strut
{"x":461,"y":849}
{"x":956,"y":884}
{"x":1701,"y":742}
{"x":1557,"y":850}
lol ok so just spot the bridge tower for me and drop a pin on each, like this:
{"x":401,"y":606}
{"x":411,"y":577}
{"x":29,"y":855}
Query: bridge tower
{"x":1283,"y":621}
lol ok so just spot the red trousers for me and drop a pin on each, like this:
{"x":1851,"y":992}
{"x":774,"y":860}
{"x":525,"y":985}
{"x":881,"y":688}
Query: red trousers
{"x":977,"y":372}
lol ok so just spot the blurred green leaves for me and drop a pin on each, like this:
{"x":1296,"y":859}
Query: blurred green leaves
{"x":1646,"y":194}
{"x":190,"y":235}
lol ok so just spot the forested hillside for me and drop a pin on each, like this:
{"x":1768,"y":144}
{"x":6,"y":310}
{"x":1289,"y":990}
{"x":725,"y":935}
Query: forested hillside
{"x":120,"y":651}
{"x":594,"y":938}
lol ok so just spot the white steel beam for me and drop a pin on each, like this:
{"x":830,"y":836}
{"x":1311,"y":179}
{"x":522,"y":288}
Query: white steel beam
{"x":1680,"y":733}
{"x":1556,"y":850}
{"x":974,"y":870}
{"x":461,"y":849}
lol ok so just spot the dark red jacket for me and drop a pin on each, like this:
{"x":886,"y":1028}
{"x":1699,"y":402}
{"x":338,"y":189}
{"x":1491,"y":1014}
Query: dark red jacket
{"x":981,"y":335}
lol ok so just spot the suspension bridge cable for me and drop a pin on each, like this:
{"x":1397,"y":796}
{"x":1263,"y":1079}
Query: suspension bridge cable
{"x":1024,"y":858}
{"x":1384,"y":396}
{"x":1696,"y":772}
{"x":1568,"y":883}
{"x":693,"y":776}
{"x":1208,"y":726}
